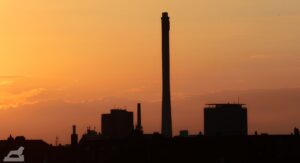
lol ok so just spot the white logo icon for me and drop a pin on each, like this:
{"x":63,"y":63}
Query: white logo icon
{"x":15,"y":156}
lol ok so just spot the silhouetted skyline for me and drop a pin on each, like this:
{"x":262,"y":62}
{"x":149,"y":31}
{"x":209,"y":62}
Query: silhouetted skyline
{"x":82,"y":58}
{"x":77,"y":73}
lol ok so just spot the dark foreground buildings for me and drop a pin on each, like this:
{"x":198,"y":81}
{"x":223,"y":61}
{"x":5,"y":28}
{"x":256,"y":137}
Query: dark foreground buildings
{"x":225,"y":120}
{"x":35,"y":151}
{"x":156,"y":149}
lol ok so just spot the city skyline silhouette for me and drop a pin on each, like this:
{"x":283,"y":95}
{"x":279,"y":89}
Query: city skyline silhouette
{"x":59,"y":64}
{"x":166,"y":108}
{"x":226,"y":132}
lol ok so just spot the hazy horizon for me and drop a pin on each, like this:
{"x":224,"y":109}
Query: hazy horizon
{"x":273,"y":111}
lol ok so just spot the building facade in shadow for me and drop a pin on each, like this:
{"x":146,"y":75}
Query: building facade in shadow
{"x":118,"y":124}
{"x":225,"y":120}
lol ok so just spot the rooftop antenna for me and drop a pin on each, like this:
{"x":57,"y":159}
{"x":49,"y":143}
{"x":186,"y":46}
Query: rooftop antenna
{"x":56,"y":141}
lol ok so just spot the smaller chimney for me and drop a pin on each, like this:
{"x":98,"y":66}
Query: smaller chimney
{"x":74,"y":137}
{"x":139,"y":118}
{"x":74,"y":129}
{"x":139,"y":128}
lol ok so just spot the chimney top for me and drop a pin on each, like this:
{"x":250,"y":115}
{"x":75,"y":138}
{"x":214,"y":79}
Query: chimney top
{"x":74,"y":129}
{"x":165,"y":14}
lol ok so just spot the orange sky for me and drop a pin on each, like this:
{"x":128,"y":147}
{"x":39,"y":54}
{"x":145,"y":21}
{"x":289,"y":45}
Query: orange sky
{"x":94,"y":55}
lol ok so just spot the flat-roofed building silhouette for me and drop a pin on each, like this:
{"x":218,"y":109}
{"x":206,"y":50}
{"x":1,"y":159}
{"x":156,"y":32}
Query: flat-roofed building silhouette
{"x":225,"y":120}
{"x":118,"y":124}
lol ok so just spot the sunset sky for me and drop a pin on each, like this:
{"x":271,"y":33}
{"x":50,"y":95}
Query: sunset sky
{"x":65,"y":62}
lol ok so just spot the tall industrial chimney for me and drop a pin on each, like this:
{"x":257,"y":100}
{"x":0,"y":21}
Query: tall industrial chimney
{"x":166,"y":128}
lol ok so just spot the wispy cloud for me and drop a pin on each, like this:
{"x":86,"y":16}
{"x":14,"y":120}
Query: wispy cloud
{"x":6,"y":82}
{"x":260,"y":56}
{"x":14,"y":100}
{"x":12,"y":76}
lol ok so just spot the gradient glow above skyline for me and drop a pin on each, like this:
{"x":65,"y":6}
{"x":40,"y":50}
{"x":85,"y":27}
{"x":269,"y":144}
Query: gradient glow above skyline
{"x":100,"y":54}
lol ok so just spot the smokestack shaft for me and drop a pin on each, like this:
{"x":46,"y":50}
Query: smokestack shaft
{"x":139,"y":118}
{"x":166,"y":97}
